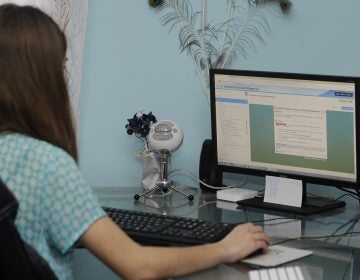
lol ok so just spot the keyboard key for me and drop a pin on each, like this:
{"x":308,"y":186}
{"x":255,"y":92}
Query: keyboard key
{"x":273,"y":274}
{"x":280,"y":273}
{"x":264,"y":275}
{"x":291,"y":272}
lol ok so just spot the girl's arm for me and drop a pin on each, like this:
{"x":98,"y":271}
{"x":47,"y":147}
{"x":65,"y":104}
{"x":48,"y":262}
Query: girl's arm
{"x":133,"y":261}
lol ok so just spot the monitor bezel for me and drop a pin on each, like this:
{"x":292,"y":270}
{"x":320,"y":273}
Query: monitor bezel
{"x":300,"y":76}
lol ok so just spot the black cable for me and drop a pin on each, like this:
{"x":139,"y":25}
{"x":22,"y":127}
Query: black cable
{"x":349,"y":230}
{"x":355,"y":221}
{"x":303,"y":218}
{"x":352,"y":222}
{"x":348,"y":194}
{"x":356,"y":193}
{"x":348,"y":265}
{"x":316,"y":237}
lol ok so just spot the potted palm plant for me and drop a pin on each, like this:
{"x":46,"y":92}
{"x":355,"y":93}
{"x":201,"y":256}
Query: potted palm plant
{"x":216,"y":45}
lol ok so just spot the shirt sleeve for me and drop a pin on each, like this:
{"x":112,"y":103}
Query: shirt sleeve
{"x":70,"y":205}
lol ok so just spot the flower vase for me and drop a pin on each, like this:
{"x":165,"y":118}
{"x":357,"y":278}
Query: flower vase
{"x":151,"y":169}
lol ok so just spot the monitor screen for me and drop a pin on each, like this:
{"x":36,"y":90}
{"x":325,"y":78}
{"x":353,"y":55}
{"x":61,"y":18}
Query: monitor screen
{"x":299,"y":126}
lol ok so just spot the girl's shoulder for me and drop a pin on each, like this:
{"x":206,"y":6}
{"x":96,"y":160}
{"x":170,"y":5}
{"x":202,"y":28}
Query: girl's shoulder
{"x":34,"y":148}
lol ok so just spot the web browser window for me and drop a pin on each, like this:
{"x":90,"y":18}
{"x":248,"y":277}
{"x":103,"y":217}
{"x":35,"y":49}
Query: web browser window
{"x":304,"y":127}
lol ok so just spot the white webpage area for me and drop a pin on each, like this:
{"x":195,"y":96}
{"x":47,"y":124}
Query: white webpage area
{"x":300,"y":125}
{"x":300,"y":132}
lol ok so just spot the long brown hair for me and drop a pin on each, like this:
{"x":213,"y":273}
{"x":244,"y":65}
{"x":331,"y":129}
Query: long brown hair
{"x":34,"y":97}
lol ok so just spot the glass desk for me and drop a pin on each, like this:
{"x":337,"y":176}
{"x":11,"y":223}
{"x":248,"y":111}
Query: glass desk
{"x":336,"y":256}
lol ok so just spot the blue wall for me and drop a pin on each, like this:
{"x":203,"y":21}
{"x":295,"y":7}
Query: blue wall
{"x":132,"y":62}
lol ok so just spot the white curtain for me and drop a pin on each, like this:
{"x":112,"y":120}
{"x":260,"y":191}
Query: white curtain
{"x":71,"y":16}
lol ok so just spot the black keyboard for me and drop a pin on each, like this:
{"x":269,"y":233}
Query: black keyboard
{"x":156,"y":229}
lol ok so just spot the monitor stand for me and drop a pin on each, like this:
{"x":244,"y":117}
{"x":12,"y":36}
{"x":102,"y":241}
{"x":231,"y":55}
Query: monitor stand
{"x":310,"y":204}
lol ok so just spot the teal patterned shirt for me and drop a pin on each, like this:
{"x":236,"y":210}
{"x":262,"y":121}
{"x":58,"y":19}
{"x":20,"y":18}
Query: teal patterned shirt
{"x":56,"y":205}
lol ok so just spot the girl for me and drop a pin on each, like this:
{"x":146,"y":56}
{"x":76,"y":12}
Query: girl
{"x":38,"y":162}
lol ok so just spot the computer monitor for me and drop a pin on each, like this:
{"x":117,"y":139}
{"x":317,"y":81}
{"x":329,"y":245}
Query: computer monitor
{"x":299,"y":126}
